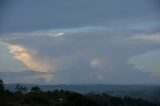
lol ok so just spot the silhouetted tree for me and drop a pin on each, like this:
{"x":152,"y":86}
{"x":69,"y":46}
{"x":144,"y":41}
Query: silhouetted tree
{"x":1,"y":86}
{"x":20,"y":89}
{"x":116,"y":101}
{"x":36,"y":97}
{"x":36,"y":89}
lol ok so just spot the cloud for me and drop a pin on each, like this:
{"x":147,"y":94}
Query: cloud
{"x":71,"y":14}
{"x":27,"y":57}
{"x":28,"y":76}
{"x":98,"y":63}
{"x":75,"y":42}
{"x":20,"y":53}
{"x":60,"y":34}
{"x":147,"y":37}
{"x":81,"y":51}
{"x":147,"y":62}
{"x":47,"y":77}
{"x":99,"y":77}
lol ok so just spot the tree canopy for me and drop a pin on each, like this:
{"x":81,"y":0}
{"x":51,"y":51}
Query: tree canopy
{"x":36,"y":97}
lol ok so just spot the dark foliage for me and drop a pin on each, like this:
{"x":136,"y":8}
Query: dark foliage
{"x":36,"y":97}
{"x":1,"y":86}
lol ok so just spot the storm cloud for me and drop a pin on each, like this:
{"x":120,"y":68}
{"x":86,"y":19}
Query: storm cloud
{"x":98,"y":41}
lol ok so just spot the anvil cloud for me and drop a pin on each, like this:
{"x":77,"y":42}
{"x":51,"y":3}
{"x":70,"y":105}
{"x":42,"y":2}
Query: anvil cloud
{"x":87,"y":41}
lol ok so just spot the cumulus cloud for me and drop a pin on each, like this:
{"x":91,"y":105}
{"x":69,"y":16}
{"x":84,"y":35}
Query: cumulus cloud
{"x":27,"y":57}
{"x":98,"y":63}
{"x":20,"y":53}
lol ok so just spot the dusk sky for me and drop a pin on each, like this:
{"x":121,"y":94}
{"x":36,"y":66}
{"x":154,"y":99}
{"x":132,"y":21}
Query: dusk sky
{"x":80,"y":41}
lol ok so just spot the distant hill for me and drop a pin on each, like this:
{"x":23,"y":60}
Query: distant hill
{"x":147,"y":92}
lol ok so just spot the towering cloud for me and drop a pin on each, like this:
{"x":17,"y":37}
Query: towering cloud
{"x":75,"y":55}
{"x":22,"y":54}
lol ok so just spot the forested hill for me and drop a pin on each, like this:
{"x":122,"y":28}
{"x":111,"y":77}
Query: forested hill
{"x":146,"y":92}
{"x":36,"y":97}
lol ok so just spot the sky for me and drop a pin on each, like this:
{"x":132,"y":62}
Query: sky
{"x":80,"y":42}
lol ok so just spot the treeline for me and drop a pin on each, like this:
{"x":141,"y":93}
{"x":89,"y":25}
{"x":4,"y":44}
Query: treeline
{"x":36,"y":97}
